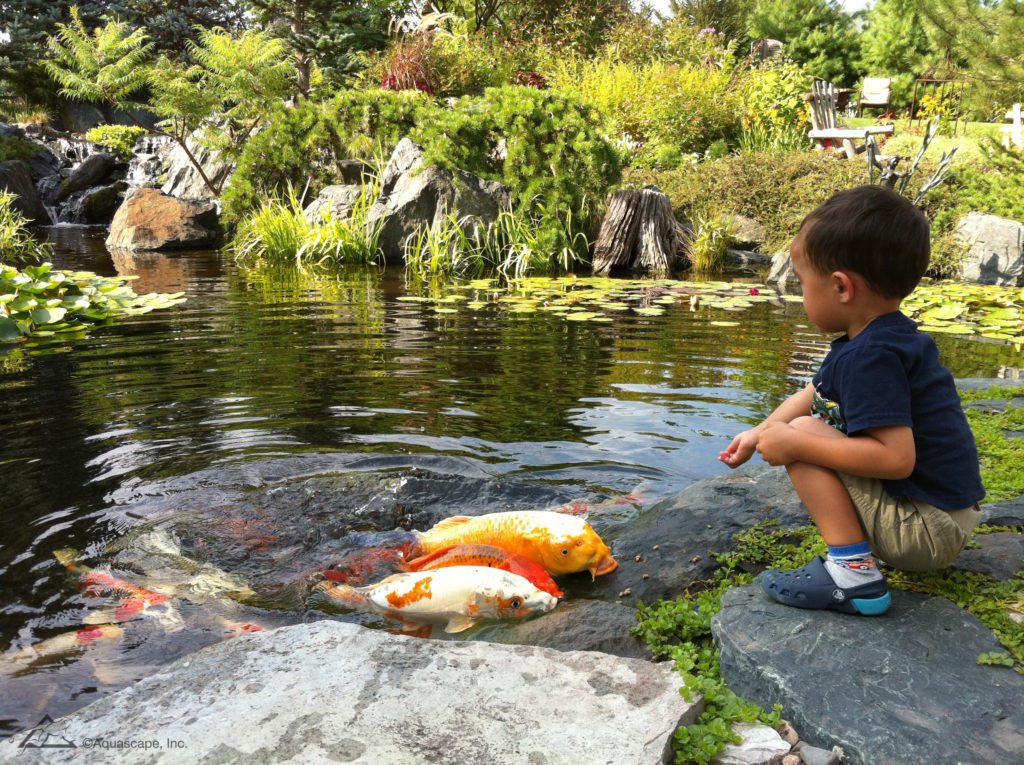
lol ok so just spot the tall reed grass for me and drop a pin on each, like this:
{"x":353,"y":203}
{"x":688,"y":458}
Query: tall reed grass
{"x":511,"y":246}
{"x":16,"y":243}
{"x":280,"y":231}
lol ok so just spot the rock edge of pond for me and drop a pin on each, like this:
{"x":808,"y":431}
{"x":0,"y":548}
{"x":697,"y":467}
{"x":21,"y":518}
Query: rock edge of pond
{"x":575,"y":685}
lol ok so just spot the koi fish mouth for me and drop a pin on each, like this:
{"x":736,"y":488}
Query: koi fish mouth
{"x":606,"y":565}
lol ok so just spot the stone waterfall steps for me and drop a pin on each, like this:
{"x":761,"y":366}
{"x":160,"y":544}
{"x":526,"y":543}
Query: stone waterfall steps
{"x":329,"y":691}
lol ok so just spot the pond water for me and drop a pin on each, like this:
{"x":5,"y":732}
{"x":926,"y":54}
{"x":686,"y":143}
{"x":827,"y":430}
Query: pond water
{"x":221,"y":448}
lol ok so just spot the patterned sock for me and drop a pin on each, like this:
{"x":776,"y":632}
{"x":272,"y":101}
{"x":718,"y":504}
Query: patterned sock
{"x":851,"y":565}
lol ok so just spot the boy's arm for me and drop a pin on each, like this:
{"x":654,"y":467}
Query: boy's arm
{"x":743,"y":445}
{"x":886,"y":452}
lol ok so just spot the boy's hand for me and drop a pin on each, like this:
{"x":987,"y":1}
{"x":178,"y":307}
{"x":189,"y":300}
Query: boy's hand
{"x":776,"y":442}
{"x":741,"y":449}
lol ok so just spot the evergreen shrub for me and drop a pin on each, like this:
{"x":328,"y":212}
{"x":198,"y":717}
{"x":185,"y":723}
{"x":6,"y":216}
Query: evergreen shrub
{"x":14,"y":147}
{"x":546,"y":146}
{"x":308,"y":142}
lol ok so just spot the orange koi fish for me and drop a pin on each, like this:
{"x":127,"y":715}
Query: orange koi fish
{"x":134,"y":598}
{"x":491,"y":556}
{"x":562,"y":544}
{"x":457,"y":597}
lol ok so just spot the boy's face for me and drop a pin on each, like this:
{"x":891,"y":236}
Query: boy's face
{"x":821,"y":298}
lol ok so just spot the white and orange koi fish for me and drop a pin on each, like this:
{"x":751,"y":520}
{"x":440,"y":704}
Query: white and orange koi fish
{"x":457,"y":597}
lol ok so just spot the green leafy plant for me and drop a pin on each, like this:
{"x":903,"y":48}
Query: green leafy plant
{"x":710,"y":241}
{"x":14,"y":147}
{"x":119,"y":139}
{"x":232,"y":86}
{"x":280,"y":231}
{"x":544,"y":145}
{"x":16,"y":243}
{"x":996,"y":659}
{"x":38,"y":301}
{"x":311,"y":140}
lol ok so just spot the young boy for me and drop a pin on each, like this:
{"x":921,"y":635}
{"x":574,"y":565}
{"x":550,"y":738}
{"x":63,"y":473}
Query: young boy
{"x":877,"y":445}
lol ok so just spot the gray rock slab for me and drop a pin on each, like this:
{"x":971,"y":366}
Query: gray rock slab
{"x":746,"y":260}
{"x":183,"y":179}
{"x":984,"y":383}
{"x":687,"y":527}
{"x":999,"y":555}
{"x":333,"y":202}
{"x":995,"y":249}
{"x":329,"y":691}
{"x":900,"y":688}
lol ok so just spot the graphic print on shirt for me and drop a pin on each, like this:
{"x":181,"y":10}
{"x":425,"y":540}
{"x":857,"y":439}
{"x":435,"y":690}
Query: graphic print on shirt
{"x":829,"y":411}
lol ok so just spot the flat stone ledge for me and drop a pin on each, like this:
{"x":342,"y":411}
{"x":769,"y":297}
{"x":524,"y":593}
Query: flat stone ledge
{"x":331,"y":691}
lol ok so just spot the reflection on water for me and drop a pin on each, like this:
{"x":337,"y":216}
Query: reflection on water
{"x":252,"y":427}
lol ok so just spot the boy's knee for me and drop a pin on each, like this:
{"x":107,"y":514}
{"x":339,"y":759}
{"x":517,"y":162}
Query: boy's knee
{"x":810,"y":424}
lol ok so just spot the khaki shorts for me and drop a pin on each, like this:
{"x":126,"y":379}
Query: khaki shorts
{"x":907,"y":533}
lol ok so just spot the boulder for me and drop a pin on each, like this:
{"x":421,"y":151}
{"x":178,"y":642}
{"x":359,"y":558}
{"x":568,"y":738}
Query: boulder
{"x":672,"y":542}
{"x":152,"y":220}
{"x":747,"y":232}
{"x":745,"y":260}
{"x":80,"y":118}
{"x":782,"y":275}
{"x":99,"y":205}
{"x":266,"y":697}
{"x":903,"y":687}
{"x":16,"y":178}
{"x":183,"y":180}
{"x":414,"y":197}
{"x":335,"y":202}
{"x":93,"y":171}
{"x":995,"y":249}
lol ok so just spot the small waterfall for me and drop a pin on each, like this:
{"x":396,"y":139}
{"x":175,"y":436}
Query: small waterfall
{"x":149,"y":155}
{"x":74,"y":150}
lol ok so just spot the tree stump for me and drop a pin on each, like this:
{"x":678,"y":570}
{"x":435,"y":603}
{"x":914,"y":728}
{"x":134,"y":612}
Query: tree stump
{"x":638,"y":232}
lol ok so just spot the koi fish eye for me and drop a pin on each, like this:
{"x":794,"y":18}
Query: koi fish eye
{"x":565,"y":552}
{"x":515,"y":602}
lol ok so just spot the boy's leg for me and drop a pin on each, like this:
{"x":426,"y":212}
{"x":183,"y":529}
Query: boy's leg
{"x":847,"y":579}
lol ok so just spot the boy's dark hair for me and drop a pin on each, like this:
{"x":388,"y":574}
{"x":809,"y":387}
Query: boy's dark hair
{"x":871,"y":230}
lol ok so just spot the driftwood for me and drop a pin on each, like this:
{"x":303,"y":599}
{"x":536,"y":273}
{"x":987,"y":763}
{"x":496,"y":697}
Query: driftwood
{"x":638,"y":232}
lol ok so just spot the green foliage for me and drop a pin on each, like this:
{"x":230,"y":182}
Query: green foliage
{"x":996,"y":659}
{"x":687,"y":97}
{"x":544,"y":145}
{"x":817,"y":35}
{"x":16,"y":243}
{"x":1002,"y":458}
{"x":895,"y":45}
{"x":309,"y":140}
{"x":40,"y":302}
{"x":13,"y":147}
{"x":119,"y":139}
{"x":108,"y":66}
{"x":777,"y":116}
{"x":777,"y":190}
{"x":726,"y":16}
{"x":280,"y":231}
{"x":711,"y":239}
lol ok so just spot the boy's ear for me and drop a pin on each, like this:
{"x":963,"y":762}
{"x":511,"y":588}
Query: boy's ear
{"x":844,"y":285}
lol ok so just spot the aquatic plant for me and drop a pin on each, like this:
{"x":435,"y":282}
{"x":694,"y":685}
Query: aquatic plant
{"x":39,"y":301}
{"x":707,"y":249}
{"x":16,"y":243}
{"x":280,"y":231}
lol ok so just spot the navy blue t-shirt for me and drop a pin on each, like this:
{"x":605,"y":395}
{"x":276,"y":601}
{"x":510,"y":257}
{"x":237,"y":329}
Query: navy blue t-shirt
{"x":890,"y":374}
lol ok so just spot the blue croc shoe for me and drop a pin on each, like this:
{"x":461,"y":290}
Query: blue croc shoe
{"x":812,"y":587}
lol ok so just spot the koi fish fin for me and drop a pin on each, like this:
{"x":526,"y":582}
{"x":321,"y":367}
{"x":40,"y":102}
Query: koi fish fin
{"x":417,"y":563}
{"x":341,"y":593}
{"x":66,"y":557}
{"x":448,"y":523}
{"x":459,"y":624}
